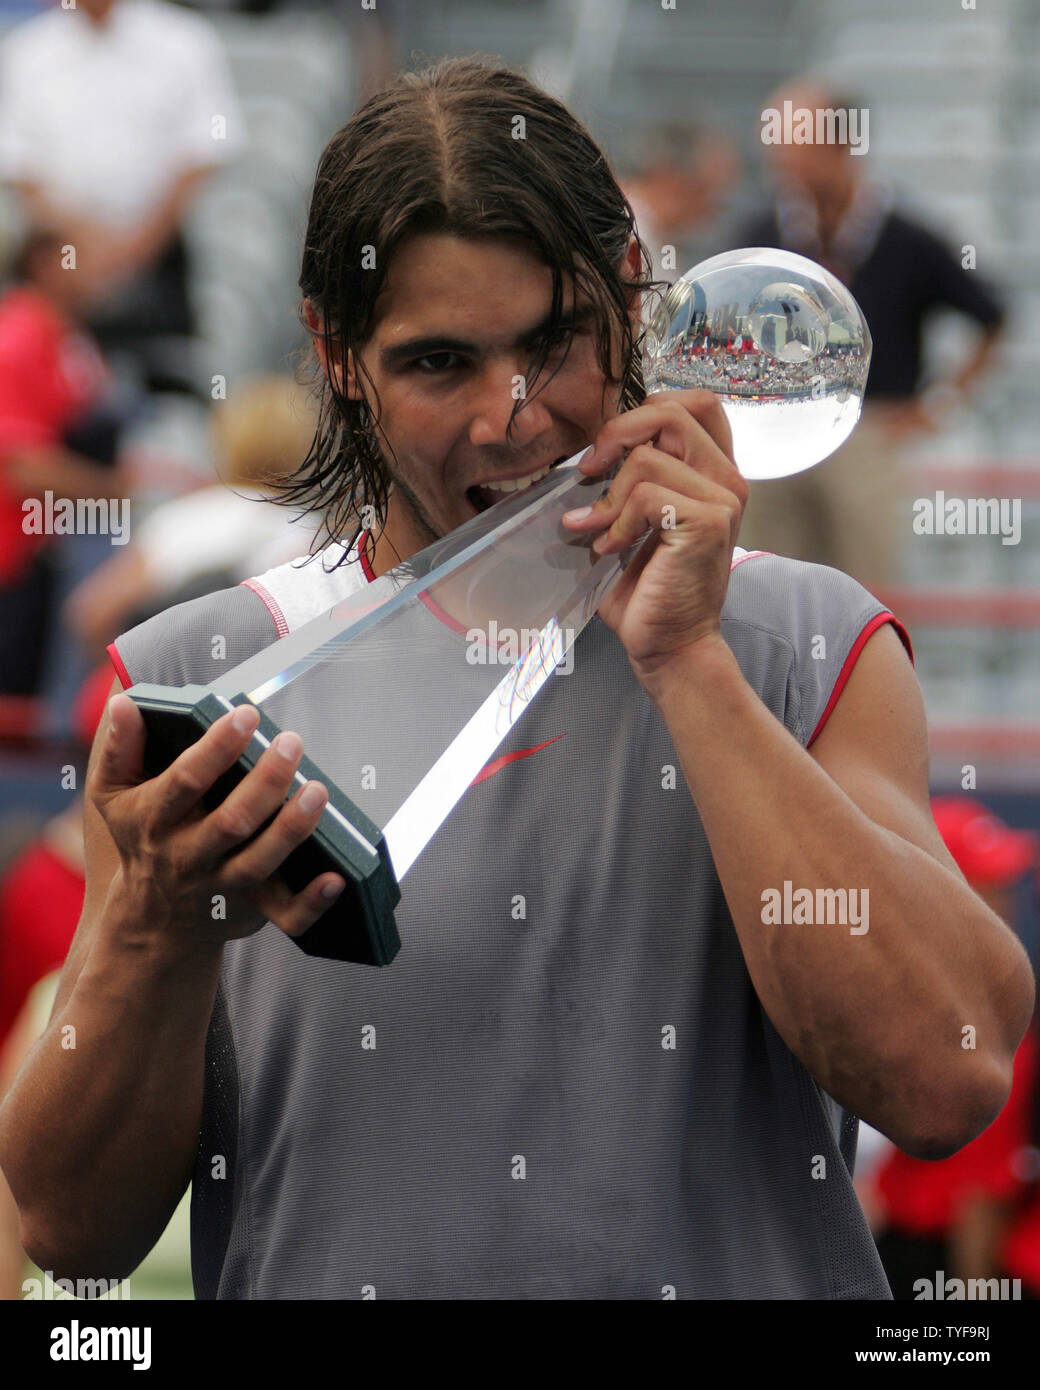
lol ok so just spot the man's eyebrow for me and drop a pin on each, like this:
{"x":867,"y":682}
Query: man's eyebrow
{"x":432,"y":342}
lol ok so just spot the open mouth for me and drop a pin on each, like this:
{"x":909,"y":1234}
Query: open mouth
{"x":488,"y":494}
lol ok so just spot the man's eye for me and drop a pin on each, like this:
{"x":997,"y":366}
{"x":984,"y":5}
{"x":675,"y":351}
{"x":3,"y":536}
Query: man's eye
{"x":554,"y":341}
{"x":559,"y":341}
{"x":435,"y":362}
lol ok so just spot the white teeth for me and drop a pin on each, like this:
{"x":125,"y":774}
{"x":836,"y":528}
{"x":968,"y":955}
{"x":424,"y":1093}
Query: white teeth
{"x":517,"y":484}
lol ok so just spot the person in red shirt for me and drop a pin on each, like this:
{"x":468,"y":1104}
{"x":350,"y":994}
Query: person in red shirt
{"x":55,"y":433}
{"x":1013,"y":1223}
{"x":41,"y":891}
{"x":41,"y":900}
{"x":956,"y":1218}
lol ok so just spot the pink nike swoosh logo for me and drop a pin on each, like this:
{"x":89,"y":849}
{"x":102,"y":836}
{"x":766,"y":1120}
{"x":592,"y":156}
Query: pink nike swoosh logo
{"x":499,"y":763}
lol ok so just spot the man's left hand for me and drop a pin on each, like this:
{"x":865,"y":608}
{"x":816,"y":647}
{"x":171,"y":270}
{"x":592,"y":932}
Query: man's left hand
{"x":678,"y":480}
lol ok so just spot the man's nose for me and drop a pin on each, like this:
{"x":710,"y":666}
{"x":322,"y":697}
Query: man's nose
{"x":500,"y":388}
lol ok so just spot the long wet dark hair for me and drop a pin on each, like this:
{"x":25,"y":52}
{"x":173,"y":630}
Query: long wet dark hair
{"x":470,"y":148}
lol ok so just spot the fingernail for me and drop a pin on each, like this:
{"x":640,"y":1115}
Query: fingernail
{"x":288,"y":746}
{"x":578,"y":514}
{"x":332,"y":890}
{"x":246,"y":719}
{"x":312,"y":796}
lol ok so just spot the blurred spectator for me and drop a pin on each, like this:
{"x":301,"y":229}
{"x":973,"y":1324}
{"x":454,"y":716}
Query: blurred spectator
{"x":41,"y":899}
{"x":111,"y":113}
{"x":1008,"y":1228}
{"x":975,"y":1215}
{"x":847,"y":512}
{"x":41,"y":893}
{"x":679,"y":177}
{"x":164,"y":1273}
{"x":217,"y":535}
{"x":58,"y":431}
{"x":12,"y":1256}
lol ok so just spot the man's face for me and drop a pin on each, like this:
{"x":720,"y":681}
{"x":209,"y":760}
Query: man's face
{"x":455,"y":328}
{"x":812,"y":168}
{"x":815,"y":169}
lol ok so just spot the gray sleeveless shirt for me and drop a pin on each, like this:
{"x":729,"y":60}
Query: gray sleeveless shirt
{"x":585,"y":1100}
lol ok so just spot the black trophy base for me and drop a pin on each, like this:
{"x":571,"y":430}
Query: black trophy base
{"x":359,"y":926}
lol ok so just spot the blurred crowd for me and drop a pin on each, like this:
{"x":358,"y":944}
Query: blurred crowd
{"x":113,"y":116}
{"x":975,"y":1215}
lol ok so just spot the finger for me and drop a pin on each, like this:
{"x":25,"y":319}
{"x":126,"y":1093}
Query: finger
{"x":192,"y":774}
{"x":707,"y":409}
{"x":120,"y":761}
{"x":647,"y":464}
{"x":651,"y":507}
{"x":263,"y":856}
{"x":643,"y":511}
{"x":250,"y":805}
{"x":617,"y":596}
{"x":677,"y":421}
{"x":295,"y":913}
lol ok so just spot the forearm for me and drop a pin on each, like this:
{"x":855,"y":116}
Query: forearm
{"x":979,"y":360}
{"x":18,"y":1043}
{"x":877,"y":1015}
{"x":12,"y":1257}
{"x":154,"y":232}
{"x":98,"y":1132}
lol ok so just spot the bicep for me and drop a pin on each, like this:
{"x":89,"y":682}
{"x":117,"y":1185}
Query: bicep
{"x":875,"y":745}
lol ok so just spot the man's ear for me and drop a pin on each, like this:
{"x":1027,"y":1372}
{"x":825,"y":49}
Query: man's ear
{"x":334,"y":361}
{"x":345,"y":383}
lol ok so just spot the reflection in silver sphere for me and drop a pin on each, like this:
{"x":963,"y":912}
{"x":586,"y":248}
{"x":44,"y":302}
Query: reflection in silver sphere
{"x":788,"y":322}
{"x":780,"y":340}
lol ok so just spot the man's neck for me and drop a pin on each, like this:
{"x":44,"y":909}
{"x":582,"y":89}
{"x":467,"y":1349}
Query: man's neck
{"x":398,"y":541}
{"x":831,"y":206}
{"x":100,"y":17}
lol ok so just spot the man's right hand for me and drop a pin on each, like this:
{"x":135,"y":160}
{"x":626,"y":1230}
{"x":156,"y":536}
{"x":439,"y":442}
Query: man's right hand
{"x":198,"y":876}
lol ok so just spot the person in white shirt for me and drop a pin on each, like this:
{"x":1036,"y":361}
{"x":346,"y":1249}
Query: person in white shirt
{"x":111,"y":115}
{"x":227,"y":531}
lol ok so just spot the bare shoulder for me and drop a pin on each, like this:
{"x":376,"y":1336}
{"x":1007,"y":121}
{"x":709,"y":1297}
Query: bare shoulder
{"x":875,"y":744}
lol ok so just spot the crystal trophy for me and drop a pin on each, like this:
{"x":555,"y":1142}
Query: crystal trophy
{"x":782,"y":343}
{"x":423,"y":673}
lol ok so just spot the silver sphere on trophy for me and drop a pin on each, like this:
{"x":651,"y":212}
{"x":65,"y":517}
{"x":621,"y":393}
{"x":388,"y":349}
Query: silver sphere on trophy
{"x":780,"y":340}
